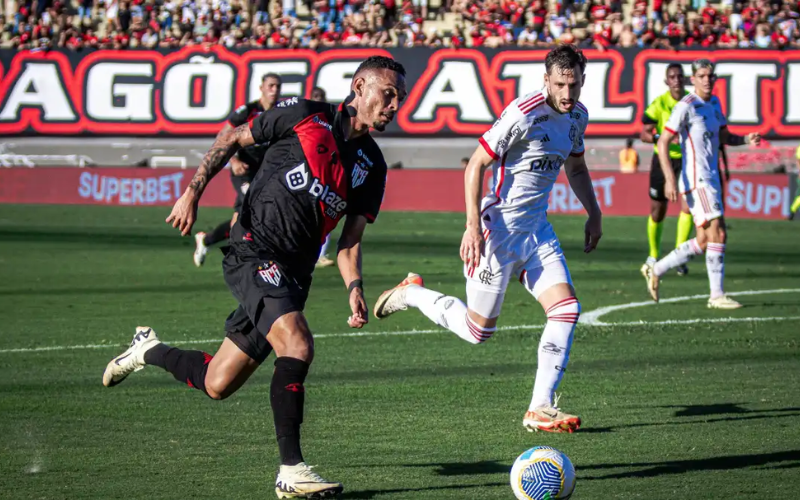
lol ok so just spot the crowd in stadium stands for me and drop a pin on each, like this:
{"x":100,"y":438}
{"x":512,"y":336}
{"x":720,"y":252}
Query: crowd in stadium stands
{"x":120,"y":24}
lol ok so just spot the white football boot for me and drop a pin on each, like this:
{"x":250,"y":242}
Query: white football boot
{"x":201,"y":249}
{"x":132,"y":360}
{"x":650,"y":262}
{"x":723,"y":302}
{"x":299,"y":481}
{"x":394,"y":299}
{"x":652,"y":281}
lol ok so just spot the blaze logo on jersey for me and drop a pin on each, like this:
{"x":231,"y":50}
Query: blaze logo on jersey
{"x":270,"y":273}
{"x":297,"y":178}
{"x":335,"y":203}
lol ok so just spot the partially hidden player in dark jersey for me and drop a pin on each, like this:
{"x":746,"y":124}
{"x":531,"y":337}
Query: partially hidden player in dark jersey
{"x":322,"y":166}
{"x":244,"y":164}
{"x":318,"y":94}
{"x":653,"y":120}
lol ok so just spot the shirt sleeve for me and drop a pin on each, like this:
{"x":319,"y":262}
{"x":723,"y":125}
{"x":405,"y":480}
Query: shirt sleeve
{"x":651,"y":113}
{"x":277,"y":122}
{"x":369,"y":196}
{"x":509,"y":129}
{"x":677,"y":120}
{"x":580,"y":130}
{"x":723,"y":120}
{"x":239,"y":116}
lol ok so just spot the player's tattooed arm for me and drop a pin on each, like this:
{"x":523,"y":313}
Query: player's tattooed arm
{"x":184,"y":213}
{"x":725,"y":137}
{"x":226,"y":144}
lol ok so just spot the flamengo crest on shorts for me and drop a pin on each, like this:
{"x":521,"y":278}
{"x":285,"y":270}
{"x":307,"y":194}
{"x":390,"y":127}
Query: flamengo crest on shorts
{"x":270,"y":273}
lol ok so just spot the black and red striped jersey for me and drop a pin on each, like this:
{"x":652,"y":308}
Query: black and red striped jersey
{"x":311,"y":177}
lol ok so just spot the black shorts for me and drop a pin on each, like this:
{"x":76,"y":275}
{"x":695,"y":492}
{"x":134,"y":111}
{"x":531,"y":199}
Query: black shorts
{"x":265,"y":291}
{"x":657,"y":177}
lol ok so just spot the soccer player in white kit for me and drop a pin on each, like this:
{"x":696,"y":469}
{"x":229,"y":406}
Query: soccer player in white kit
{"x":508,"y":235}
{"x":700,"y":124}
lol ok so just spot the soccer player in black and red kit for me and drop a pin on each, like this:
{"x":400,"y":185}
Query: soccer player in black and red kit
{"x":244,"y":164}
{"x":321,"y":166}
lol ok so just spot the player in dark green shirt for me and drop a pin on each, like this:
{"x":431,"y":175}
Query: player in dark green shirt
{"x":655,"y":116}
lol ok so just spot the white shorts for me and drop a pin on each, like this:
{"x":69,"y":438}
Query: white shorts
{"x":705,"y":204}
{"x":534,"y":258}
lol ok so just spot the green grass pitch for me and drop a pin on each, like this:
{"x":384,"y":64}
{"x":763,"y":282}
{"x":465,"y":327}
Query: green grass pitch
{"x":707,"y":409}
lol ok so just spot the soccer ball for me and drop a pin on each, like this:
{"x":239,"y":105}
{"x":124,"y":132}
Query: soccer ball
{"x":543,"y":473}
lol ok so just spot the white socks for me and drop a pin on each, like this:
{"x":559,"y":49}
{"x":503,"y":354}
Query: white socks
{"x":448,"y":312}
{"x":677,"y":257}
{"x":715,"y":262}
{"x":715,"y":265}
{"x":554,"y":346}
{"x":554,"y":350}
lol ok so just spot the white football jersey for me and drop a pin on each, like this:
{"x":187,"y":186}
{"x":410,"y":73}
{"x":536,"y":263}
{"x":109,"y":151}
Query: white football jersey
{"x":529,"y":143}
{"x":697,"y":123}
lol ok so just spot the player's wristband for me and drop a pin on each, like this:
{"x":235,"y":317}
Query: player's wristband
{"x":355,"y":284}
{"x":737,"y":140}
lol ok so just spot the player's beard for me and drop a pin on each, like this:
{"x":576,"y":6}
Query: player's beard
{"x":380,"y":127}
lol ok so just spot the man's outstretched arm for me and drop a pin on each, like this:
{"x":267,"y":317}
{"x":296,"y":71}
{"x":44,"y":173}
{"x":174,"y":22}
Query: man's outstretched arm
{"x":227,"y":142}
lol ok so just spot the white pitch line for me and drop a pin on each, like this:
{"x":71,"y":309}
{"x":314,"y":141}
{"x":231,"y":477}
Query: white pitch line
{"x":592,"y":318}
{"x":418,"y":332}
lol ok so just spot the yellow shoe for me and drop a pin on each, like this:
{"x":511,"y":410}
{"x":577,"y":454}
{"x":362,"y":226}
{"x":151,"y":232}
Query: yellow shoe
{"x":394,"y":300}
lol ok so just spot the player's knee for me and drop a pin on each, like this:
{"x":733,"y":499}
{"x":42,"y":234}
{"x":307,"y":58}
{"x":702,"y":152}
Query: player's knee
{"x":481,"y":329}
{"x":218,"y":389}
{"x":566,"y":310}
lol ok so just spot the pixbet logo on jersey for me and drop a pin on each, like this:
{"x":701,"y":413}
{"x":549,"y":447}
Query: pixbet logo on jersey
{"x":547,"y":163}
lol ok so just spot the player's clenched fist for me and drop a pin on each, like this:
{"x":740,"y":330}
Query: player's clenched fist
{"x":184,"y":213}
{"x":594,"y":231}
{"x":358,"y":305}
{"x":472,"y":247}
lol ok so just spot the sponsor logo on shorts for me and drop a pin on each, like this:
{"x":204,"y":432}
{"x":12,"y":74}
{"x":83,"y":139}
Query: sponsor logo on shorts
{"x":552,"y":348}
{"x":270,"y":273}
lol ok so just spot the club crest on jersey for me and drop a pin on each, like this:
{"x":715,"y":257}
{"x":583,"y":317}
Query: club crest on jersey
{"x":359,"y":174}
{"x":270,"y":273}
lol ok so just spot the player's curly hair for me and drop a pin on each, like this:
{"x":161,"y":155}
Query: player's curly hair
{"x":565,"y":57}
{"x":381,"y":62}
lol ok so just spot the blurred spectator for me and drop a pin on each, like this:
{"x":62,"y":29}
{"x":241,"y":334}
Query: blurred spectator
{"x":600,"y":24}
{"x":628,"y":158}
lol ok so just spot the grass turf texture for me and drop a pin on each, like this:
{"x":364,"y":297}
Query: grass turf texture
{"x":708,"y":410}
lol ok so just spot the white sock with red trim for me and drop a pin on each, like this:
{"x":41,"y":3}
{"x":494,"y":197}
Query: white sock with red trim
{"x":681,"y":255}
{"x":554,"y":350}
{"x":448,"y":312}
{"x":715,"y":265}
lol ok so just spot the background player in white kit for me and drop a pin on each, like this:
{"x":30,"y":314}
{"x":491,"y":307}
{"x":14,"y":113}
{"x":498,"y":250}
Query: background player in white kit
{"x":701,"y":125}
{"x":509,"y":235}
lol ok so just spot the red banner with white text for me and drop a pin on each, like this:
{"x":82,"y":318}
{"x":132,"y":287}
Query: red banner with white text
{"x":191,"y":91}
{"x":758,"y":196}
